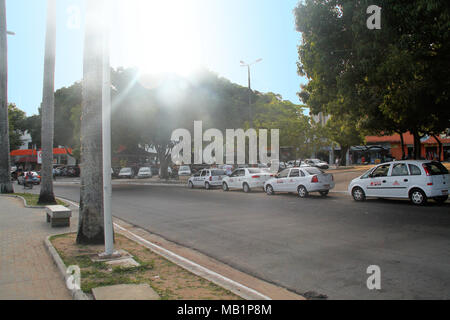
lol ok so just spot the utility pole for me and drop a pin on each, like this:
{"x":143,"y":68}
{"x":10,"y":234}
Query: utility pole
{"x":106,"y":135}
{"x":248,"y":65}
{"x":5,"y":164}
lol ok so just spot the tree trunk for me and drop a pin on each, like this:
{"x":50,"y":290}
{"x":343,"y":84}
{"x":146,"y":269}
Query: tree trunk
{"x":343,"y":160}
{"x":440,"y":146}
{"x":402,"y":140}
{"x":91,"y":220}
{"x":163,"y":165}
{"x":417,"y":145}
{"x":5,"y":164}
{"x":48,"y":106}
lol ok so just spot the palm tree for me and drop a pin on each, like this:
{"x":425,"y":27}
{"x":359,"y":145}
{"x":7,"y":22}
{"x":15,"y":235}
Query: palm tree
{"x":91,"y":220}
{"x":48,"y":106}
{"x":5,"y":167}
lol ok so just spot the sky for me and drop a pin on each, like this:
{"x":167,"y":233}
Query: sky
{"x":160,"y":36}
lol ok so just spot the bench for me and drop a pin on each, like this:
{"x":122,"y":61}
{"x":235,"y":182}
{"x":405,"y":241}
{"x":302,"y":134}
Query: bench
{"x":58,"y":216}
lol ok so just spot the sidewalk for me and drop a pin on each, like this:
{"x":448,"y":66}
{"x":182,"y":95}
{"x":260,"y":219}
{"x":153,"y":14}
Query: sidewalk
{"x":27,"y":271}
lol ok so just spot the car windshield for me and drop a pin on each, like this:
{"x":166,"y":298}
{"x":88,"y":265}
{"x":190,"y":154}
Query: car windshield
{"x":125,"y":170}
{"x":184,"y":168}
{"x":436,"y":168}
{"x":218,"y":173}
{"x":144,"y":170}
{"x":313,"y":171}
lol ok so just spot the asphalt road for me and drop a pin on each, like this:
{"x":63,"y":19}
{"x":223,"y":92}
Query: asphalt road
{"x":324,"y":245}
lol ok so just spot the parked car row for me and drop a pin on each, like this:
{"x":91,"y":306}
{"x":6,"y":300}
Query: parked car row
{"x":414,"y":180}
{"x":67,"y":171}
{"x":302,"y":181}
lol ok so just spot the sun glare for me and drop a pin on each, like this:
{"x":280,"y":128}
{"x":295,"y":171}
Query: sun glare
{"x":156,"y":36}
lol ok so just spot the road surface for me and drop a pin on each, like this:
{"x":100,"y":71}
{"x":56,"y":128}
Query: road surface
{"x":319,"y":245}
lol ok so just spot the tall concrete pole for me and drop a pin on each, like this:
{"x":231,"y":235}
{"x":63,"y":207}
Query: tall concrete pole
{"x":106,"y":134}
{"x":5,"y":164}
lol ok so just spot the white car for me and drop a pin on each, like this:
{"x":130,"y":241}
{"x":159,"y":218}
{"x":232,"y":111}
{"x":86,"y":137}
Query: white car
{"x":303,"y":181}
{"x":414,"y":180}
{"x":126,"y":173}
{"x":184,"y":171}
{"x":246,"y":179}
{"x":316,"y":163}
{"x":207,"y":178}
{"x":144,"y":172}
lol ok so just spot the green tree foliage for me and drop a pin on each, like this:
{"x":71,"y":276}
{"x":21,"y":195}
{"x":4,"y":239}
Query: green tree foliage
{"x":389,"y":80}
{"x":17,"y":126}
{"x":146,"y":110}
{"x":272,"y":112}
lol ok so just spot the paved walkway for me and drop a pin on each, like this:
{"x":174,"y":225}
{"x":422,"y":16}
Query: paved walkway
{"x":27,"y":271}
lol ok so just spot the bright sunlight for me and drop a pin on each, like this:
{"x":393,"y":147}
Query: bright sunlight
{"x":156,"y":36}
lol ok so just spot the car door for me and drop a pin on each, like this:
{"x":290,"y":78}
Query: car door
{"x":281,"y":180}
{"x":232,"y":181}
{"x":293,"y":180}
{"x":377,"y":181}
{"x":198,"y":181}
{"x":397,"y":182}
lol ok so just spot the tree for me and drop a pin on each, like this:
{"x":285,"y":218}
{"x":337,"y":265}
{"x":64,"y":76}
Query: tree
{"x":17,"y":126}
{"x":5,"y":164}
{"x":48,"y":104}
{"x":343,"y":132}
{"x":296,"y":130}
{"x":91,"y":220}
{"x":388,"y":80}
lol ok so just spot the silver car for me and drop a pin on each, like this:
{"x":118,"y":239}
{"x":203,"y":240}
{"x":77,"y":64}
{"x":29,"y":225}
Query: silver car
{"x":207,"y":178}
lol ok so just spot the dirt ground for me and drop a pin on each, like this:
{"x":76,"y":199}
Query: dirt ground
{"x":170,"y":281}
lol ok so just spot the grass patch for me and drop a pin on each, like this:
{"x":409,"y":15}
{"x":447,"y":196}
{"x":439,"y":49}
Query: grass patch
{"x":32,"y":200}
{"x":170,"y":281}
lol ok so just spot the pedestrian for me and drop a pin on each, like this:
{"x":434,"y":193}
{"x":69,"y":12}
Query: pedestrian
{"x":337,"y":162}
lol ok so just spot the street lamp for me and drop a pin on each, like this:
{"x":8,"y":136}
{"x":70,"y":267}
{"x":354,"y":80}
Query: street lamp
{"x":248,"y":65}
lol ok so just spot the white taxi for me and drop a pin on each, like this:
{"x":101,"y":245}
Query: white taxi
{"x":303,"y":181}
{"x":414,"y":180}
{"x":207,"y":178}
{"x":246,"y":179}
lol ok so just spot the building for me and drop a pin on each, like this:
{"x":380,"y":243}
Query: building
{"x":27,"y":159}
{"x":429,"y":146}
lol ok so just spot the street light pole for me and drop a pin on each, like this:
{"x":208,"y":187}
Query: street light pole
{"x":106,"y":127}
{"x":248,"y":65}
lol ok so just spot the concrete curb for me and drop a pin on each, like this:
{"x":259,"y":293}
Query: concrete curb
{"x":77,"y":294}
{"x":24,"y":201}
{"x":238,"y":289}
{"x":224,"y":282}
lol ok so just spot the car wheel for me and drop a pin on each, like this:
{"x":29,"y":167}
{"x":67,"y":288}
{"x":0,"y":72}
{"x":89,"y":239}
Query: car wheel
{"x":302,"y":192}
{"x":246,"y":188}
{"x":441,"y":200}
{"x":324,"y":193}
{"x":190,"y":185}
{"x":358,"y":194}
{"x":418,"y":197}
{"x":225,"y":186}
{"x":207,"y":186}
{"x":269,"y":190}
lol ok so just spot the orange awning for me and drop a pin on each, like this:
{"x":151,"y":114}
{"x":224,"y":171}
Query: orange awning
{"x":30,"y":152}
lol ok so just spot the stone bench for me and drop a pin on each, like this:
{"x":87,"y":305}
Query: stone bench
{"x":58,"y":216}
